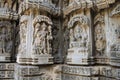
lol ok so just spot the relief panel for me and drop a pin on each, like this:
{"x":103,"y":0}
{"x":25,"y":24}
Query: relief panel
{"x":100,"y":38}
{"x":79,"y":35}
{"x":114,"y":35}
{"x":6,"y":41}
{"x":42,"y":38}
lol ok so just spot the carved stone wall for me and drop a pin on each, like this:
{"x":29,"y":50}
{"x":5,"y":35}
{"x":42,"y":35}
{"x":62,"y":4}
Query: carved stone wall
{"x":59,"y":40}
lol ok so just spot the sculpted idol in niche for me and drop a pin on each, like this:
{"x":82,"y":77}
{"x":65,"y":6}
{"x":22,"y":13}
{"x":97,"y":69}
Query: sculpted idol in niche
{"x":100,"y":39}
{"x":5,"y":40}
{"x":42,"y":38}
{"x":79,"y":34}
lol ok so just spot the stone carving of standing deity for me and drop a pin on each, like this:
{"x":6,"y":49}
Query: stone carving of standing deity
{"x":42,"y":38}
{"x":5,"y":39}
{"x":100,"y":39}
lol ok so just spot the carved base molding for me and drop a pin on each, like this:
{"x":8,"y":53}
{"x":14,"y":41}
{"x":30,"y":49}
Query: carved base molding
{"x":102,"y":60}
{"x":5,"y":58}
{"x":75,"y":77}
{"x":79,"y":58}
{"x":105,"y":78}
{"x":36,"y":60}
{"x":81,"y":70}
{"x":42,"y":59}
{"x":28,"y":72}
{"x":24,"y":72}
{"x":115,"y":61}
{"x":6,"y":71}
{"x":105,"y":71}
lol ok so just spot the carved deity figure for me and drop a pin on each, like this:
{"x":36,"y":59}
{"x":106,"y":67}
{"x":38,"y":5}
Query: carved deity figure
{"x":49,"y":39}
{"x":78,"y":33}
{"x":23,"y":30}
{"x":42,"y":38}
{"x":2,"y":40}
{"x":5,"y":40}
{"x":100,"y":39}
{"x":117,"y":32}
{"x":71,"y":35}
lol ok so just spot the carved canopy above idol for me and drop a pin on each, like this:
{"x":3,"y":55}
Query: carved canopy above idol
{"x":42,"y":38}
{"x":6,"y":41}
{"x":79,"y":47}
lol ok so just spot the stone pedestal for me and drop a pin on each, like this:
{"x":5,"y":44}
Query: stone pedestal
{"x":76,"y":57}
{"x":5,"y":57}
{"x":42,"y":59}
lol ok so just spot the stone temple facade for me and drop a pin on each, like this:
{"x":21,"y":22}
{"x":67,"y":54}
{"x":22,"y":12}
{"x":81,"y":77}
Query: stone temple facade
{"x":59,"y":39}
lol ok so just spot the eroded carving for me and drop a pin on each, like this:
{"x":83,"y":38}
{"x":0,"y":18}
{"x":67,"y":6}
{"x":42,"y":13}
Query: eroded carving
{"x":42,"y":37}
{"x":6,"y":38}
{"x":79,"y":38}
{"x":100,"y":39}
{"x":23,"y":33}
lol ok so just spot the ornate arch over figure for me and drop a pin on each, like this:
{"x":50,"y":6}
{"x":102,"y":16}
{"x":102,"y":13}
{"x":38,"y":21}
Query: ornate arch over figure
{"x":78,"y":18}
{"x":42,"y":35}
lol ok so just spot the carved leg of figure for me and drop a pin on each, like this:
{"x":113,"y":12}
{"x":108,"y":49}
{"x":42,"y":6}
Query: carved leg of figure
{"x":45,"y":51}
{"x":40,"y":51}
{"x":0,"y":50}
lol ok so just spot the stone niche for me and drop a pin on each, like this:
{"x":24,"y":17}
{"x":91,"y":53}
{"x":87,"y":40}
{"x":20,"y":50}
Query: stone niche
{"x":42,"y":38}
{"x":6,"y":41}
{"x":35,"y":40}
{"x":79,"y":45}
